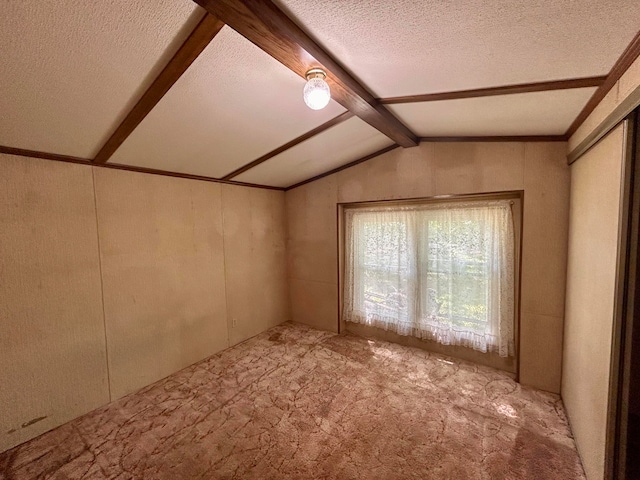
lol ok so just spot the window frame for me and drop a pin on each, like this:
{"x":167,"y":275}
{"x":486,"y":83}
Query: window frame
{"x":517,"y":196}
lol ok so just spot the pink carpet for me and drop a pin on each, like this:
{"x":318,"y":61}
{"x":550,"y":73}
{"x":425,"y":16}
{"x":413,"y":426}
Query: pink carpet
{"x":297,"y":403}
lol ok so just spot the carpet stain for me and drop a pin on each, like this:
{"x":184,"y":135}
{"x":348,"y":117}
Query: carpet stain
{"x":33,"y":421}
{"x":275,"y":337}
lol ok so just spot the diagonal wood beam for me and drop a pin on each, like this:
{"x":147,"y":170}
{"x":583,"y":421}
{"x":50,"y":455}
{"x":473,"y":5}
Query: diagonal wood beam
{"x":325,"y":126}
{"x":501,"y":90}
{"x":630,"y":54}
{"x":269,"y":28}
{"x":193,"y":46}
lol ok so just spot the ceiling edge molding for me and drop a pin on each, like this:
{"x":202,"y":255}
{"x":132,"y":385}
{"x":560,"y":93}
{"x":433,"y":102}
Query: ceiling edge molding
{"x":500,"y":90}
{"x":325,"y":126}
{"x":270,"y":29}
{"x":610,"y":122}
{"x":504,"y":138}
{"x":344,"y":167}
{"x":115,"y":166}
{"x":192,"y":47}
{"x":21,"y":152}
{"x":630,"y":54}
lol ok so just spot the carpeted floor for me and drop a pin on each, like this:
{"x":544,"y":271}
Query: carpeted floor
{"x":297,"y":403}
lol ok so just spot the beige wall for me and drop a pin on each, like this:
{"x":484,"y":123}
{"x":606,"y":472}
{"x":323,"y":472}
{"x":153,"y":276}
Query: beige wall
{"x":255,"y":260}
{"x":52,"y":350}
{"x":539,"y":169}
{"x":578,"y":381}
{"x":591,"y":277}
{"x":112,"y":280}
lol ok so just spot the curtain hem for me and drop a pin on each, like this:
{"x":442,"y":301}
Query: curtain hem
{"x":441,"y":334}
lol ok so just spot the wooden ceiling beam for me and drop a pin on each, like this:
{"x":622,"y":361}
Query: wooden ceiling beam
{"x":501,"y":90}
{"x":325,"y":126}
{"x":269,"y":28}
{"x":192,"y":47}
{"x":630,"y":54}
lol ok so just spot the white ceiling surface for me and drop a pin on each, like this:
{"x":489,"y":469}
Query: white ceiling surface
{"x":234,"y":104}
{"x":341,"y":144}
{"x":407,"y":47}
{"x":538,"y":113}
{"x":72,"y":69}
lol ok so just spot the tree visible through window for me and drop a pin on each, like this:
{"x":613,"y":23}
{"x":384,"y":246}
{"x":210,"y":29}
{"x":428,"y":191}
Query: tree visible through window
{"x":443,"y":271}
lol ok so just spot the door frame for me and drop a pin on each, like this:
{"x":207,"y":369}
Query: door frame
{"x":626,"y":303}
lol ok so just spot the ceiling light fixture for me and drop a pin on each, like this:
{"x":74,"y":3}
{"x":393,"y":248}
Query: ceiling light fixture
{"x":316,"y":92}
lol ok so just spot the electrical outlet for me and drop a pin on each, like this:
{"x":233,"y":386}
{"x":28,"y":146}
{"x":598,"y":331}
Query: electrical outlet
{"x":234,"y":323}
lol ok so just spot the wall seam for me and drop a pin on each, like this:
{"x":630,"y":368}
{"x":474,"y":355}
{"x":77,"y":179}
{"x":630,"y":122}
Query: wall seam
{"x":104,"y":315}
{"x":524,"y":166}
{"x":224,"y":268}
{"x":285,"y":212}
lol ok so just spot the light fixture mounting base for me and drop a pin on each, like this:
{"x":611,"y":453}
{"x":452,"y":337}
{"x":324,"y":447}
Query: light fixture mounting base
{"x":315,"y":73}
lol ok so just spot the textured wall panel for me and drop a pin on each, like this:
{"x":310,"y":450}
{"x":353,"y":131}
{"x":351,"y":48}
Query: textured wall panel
{"x":255,"y":260}
{"x":161,"y":246}
{"x":443,"y":169}
{"x":72,"y":69}
{"x":591,"y":279}
{"x":461,"y":168}
{"x":546,"y":224}
{"x":312,"y":233}
{"x":386,"y":177}
{"x":52,"y":347}
{"x":408,"y":47}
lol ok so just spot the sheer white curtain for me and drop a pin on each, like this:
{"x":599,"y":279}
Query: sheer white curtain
{"x":439,"y":271}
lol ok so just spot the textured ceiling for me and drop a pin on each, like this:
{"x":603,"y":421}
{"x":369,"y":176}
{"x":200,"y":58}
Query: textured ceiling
{"x":539,"y":113}
{"x":407,"y":47}
{"x":332,"y":148}
{"x":72,"y":69}
{"x":234,"y":104}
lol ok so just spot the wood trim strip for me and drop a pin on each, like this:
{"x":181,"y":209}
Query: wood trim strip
{"x":501,"y":90}
{"x":268,"y":27}
{"x":343,"y":167}
{"x":624,"y":306}
{"x":192,"y":47}
{"x":21,"y":152}
{"x":506,"y":194}
{"x":504,"y":138}
{"x":609,"y":123}
{"x":325,"y":126}
{"x":630,"y":54}
{"x":115,"y":166}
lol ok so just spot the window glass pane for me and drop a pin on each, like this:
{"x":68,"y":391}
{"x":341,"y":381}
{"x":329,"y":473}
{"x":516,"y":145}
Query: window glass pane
{"x":443,"y":272}
{"x":385,"y":268}
{"x":455,"y":288}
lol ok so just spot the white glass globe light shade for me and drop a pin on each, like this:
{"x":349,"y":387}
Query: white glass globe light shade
{"x":316,"y":93}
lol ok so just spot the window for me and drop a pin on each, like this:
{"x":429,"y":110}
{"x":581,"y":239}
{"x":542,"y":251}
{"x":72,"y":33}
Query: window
{"x":438,"y":271}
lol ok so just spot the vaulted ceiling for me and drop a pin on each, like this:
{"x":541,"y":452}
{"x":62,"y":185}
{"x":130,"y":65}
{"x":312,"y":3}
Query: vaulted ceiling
{"x":213,"y":89}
